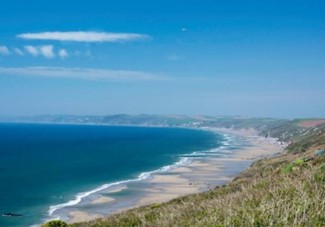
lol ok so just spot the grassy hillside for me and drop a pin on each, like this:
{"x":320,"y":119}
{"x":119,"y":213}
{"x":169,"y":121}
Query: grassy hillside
{"x":284,"y":191}
{"x":314,"y":136}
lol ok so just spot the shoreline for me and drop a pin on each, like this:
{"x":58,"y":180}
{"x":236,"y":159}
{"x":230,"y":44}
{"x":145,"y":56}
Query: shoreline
{"x":197,"y":176}
{"x":202,"y":175}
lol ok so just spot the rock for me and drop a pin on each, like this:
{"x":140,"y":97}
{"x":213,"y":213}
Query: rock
{"x":319,"y":152}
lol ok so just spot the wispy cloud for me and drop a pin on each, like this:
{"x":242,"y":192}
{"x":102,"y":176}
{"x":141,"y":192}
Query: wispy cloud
{"x":46,"y":50}
{"x":19,"y":51}
{"x":84,"y":73}
{"x":83,"y":36}
{"x":4,"y":50}
{"x":32,"y":50}
{"x":63,"y":53}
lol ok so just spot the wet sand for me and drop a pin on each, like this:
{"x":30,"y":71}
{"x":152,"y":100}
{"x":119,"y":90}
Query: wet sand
{"x":102,"y":199}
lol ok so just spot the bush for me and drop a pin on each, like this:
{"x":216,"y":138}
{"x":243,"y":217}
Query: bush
{"x":55,"y":223}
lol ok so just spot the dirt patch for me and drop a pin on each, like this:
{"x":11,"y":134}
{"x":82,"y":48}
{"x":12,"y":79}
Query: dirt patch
{"x":312,"y":123}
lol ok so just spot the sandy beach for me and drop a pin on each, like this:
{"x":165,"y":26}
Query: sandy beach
{"x":198,"y":176}
{"x":202,"y":175}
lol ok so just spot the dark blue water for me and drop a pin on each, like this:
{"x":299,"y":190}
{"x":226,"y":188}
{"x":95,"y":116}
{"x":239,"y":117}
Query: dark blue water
{"x":43,"y":165}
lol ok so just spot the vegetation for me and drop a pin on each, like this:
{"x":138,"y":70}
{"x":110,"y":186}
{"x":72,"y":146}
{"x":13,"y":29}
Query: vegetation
{"x":314,"y":136}
{"x":288,"y":190}
{"x":55,"y":223}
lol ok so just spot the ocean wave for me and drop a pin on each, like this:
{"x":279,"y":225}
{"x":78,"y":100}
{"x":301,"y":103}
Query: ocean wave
{"x":82,"y":195}
{"x":220,"y":151}
{"x":142,"y":176}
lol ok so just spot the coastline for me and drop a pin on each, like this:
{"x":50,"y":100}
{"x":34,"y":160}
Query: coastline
{"x":197,"y":176}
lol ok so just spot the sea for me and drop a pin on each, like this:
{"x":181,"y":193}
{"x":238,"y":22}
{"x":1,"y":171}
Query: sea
{"x":47,"y":169}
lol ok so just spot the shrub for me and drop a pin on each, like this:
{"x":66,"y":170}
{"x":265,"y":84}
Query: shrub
{"x":55,"y":223}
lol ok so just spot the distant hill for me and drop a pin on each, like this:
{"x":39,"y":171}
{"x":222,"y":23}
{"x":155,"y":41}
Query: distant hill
{"x":283,"y":129}
{"x":152,"y":120}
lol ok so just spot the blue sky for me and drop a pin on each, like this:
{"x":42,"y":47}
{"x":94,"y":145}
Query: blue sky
{"x":251,"y":58}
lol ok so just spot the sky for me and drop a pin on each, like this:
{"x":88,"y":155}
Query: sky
{"x":196,"y":57}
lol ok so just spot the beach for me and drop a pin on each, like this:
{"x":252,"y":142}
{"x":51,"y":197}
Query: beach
{"x":201,"y":174}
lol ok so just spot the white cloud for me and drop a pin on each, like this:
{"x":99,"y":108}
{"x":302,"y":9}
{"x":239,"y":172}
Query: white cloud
{"x":84,"y":73}
{"x":63,"y":53}
{"x":32,"y":50}
{"x":4,"y":50}
{"x":19,"y":51}
{"x":47,"y":51}
{"x":83,"y":36}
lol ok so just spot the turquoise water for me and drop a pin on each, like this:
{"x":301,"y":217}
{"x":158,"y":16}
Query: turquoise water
{"x":44,"y":165}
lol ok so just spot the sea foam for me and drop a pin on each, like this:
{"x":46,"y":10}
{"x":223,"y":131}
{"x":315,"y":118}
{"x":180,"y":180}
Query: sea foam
{"x":141,"y":176}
